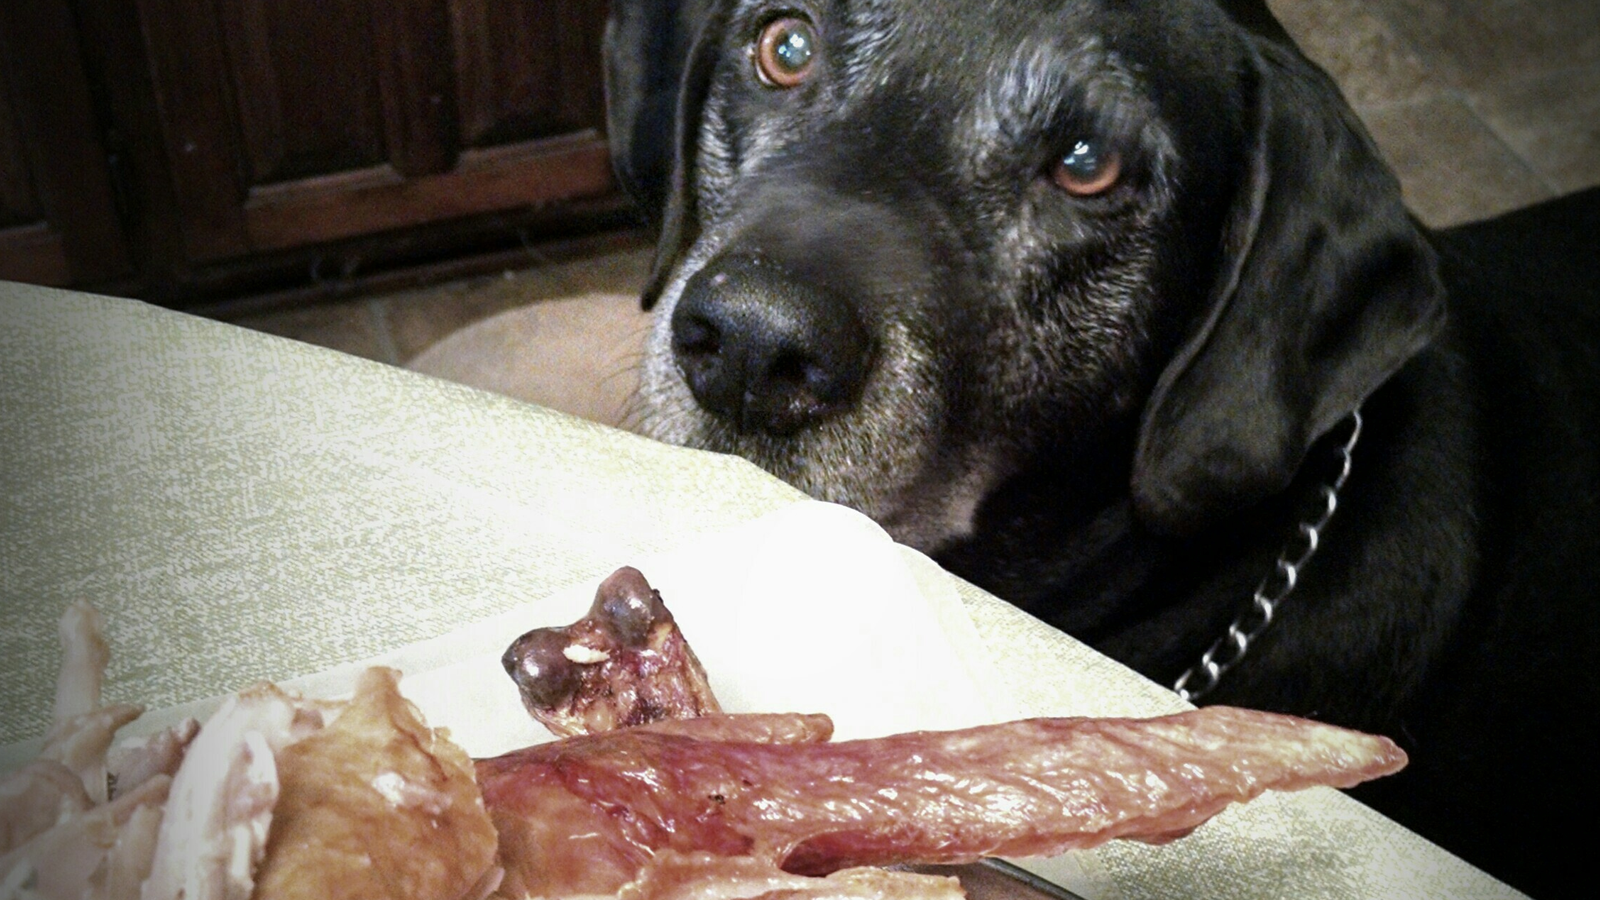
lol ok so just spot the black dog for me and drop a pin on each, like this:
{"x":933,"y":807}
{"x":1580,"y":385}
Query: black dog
{"x":1084,"y":297}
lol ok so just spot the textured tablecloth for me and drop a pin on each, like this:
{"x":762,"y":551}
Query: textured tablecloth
{"x":242,"y":507}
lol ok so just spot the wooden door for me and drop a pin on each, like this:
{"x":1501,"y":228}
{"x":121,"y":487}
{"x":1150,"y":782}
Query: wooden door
{"x":58,"y":218}
{"x":286,"y":123}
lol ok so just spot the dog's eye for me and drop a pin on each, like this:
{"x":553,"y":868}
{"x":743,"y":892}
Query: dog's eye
{"x":785,"y":51}
{"x":1087,"y":170}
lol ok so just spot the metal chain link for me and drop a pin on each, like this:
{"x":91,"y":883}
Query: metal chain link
{"x":1229,"y":649}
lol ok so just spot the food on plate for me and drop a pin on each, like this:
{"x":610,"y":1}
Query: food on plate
{"x":214,"y":829}
{"x":377,"y":804}
{"x":35,"y":797}
{"x":1026,"y":788}
{"x":761,"y":728}
{"x":81,"y":728}
{"x":81,"y":819}
{"x":278,"y":796}
{"x":100,"y":852}
{"x":275,"y":796}
{"x":698,"y":876}
{"x":724,"y":804}
{"x":624,"y":663}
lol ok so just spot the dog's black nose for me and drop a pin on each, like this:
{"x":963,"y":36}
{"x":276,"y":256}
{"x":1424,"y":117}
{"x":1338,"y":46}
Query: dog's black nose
{"x":765,"y":350}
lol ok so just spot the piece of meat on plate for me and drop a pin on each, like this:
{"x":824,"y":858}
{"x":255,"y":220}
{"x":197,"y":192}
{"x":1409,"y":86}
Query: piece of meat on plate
{"x":1030,"y":788}
{"x":214,"y":830}
{"x":377,"y":804}
{"x":624,"y":663}
{"x":704,"y":876}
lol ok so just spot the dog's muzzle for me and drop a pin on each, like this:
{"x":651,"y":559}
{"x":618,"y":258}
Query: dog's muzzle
{"x":766,"y":351}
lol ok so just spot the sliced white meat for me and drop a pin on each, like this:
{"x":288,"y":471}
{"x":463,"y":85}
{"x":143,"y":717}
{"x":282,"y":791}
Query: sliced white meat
{"x":127,"y":864}
{"x":80,"y":743}
{"x":83,"y":663}
{"x":130,"y":762}
{"x":215,"y":829}
{"x":82,"y":729}
{"x":36,"y":798}
{"x":64,"y":862}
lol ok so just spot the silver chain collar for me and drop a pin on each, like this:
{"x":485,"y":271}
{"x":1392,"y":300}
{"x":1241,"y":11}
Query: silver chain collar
{"x":1273,"y":589}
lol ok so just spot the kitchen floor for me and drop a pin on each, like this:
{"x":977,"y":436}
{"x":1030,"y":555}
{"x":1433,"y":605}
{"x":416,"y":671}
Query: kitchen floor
{"x":1480,"y":106}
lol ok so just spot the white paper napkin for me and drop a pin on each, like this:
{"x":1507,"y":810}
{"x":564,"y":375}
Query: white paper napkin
{"x":810,"y":609}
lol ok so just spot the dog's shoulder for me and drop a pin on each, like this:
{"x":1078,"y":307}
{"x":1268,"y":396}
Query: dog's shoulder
{"x":1520,"y":363}
{"x":1524,"y":302}
{"x":1521,"y":357}
{"x":1524,"y":294}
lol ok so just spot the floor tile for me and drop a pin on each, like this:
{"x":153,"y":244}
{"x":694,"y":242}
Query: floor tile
{"x":351,"y":326}
{"x":1551,"y":120}
{"x":1361,"y":50}
{"x":1452,"y":167}
{"x":1472,"y":44}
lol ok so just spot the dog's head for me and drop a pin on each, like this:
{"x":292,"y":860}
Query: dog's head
{"x":912,"y":249}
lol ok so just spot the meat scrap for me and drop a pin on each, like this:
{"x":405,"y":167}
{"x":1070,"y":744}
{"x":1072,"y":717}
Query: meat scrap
{"x":214,"y":830}
{"x":131,"y":761}
{"x":703,"y":876}
{"x":377,"y":804}
{"x":83,"y":665}
{"x":82,"y":728}
{"x":731,"y":806}
{"x":761,"y":728}
{"x":79,"y":857}
{"x":562,"y":844}
{"x":624,"y":663}
{"x":82,"y":742}
{"x":36,"y":798}
{"x":64,"y":831}
{"x":276,"y":796}
{"x":1029,"y":788}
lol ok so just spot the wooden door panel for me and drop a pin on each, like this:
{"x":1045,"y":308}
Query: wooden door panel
{"x":418,"y":84}
{"x":18,"y":205}
{"x":58,"y":217}
{"x":29,"y":249}
{"x":305,"y":85}
{"x":527,"y":70}
{"x":337,"y":118}
{"x":380,"y":199}
{"x":199,"y":129}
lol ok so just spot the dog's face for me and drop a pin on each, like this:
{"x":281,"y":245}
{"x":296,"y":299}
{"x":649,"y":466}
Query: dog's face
{"x":918,"y":249}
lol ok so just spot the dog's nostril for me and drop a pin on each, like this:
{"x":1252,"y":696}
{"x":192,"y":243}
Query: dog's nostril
{"x":796,"y":390}
{"x":792,"y":370}
{"x":696,"y":335}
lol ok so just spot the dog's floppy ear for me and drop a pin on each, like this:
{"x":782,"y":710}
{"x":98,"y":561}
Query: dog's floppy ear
{"x":645,"y":49}
{"x":1325,"y":289}
{"x":680,"y":217}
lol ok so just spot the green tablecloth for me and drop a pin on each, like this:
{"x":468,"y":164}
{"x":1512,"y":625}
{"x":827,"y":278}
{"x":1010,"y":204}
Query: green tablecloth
{"x":242,"y":507}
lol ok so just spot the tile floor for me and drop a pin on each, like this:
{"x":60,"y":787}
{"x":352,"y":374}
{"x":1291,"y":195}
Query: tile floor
{"x":1480,"y":106}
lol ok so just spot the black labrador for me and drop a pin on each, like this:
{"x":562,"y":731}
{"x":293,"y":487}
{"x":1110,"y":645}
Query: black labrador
{"x":1112,"y":307}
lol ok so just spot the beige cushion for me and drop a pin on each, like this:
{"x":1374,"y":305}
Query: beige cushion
{"x":577,"y":354}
